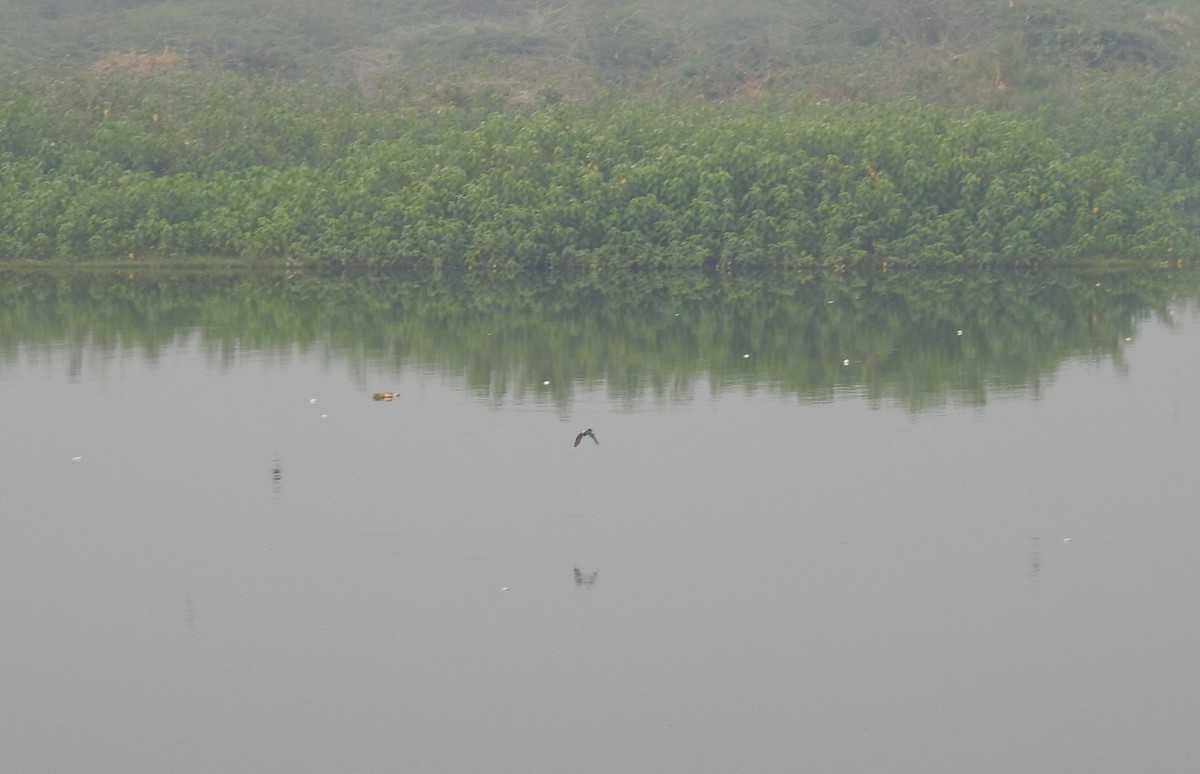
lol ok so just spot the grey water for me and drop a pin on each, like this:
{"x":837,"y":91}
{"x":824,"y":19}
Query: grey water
{"x":222,"y":555}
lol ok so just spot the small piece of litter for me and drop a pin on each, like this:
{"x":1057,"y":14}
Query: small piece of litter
{"x":77,"y":459}
{"x":504,"y":588}
{"x":312,"y":401}
{"x":546,"y":383}
{"x":846,"y":361}
{"x":745,"y":355}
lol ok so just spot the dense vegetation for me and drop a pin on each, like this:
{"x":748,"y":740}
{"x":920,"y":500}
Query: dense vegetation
{"x":135,"y":166}
{"x":459,"y":152}
{"x":918,"y":338}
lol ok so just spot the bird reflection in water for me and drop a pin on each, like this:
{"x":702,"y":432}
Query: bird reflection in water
{"x":585,"y":580}
{"x":1035,"y":566}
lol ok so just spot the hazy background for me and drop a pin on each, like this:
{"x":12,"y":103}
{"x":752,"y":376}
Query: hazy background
{"x":1018,"y":53}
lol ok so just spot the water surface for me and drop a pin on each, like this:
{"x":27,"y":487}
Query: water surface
{"x":909,"y":538}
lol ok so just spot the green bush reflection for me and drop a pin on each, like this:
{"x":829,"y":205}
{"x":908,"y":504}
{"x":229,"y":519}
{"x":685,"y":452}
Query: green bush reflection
{"x":916,"y":339}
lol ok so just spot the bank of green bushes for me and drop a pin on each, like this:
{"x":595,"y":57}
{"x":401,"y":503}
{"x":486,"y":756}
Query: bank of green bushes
{"x":98,"y":167}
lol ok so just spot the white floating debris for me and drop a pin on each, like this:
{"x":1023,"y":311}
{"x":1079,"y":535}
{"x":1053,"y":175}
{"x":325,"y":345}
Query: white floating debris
{"x":504,"y":588}
{"x":846,"y":362}
{"x":959,"y":331}
{"x":746,"y":356}
{"x":1128,"y":339}
{"x":312,"y":401}
{"x":1066,"y":540}
{"x":546,"y":383}
{"x":324,"y":416}
{"x":77,"y":459}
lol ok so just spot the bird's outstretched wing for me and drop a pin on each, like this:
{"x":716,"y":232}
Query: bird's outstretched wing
{"x":578,"y":438}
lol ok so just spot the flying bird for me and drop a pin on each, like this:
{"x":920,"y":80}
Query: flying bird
{"x":586,"y":433}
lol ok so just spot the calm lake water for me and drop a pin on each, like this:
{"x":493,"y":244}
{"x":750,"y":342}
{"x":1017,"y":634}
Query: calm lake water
{"x":827,"y":528}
